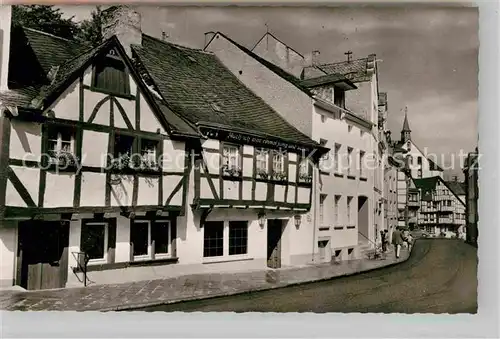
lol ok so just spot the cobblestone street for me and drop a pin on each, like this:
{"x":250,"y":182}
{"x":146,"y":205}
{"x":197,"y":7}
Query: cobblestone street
{"x":162,"y":291}
{"x":439,"y":277}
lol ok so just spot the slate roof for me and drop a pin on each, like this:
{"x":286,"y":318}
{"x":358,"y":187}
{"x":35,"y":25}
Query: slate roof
{"x":457,"y":187}
{"x":38,"y":53}
{"x":354,"y":70}
{"x":60,"y":49}
{"x":194,"y":86}
{"x":198,"y":87}
{"x":426,"y":184}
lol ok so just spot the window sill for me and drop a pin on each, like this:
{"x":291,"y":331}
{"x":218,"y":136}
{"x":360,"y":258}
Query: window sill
{"x":338,"y":175}
{"x":351,"y":227}
{"x":352,"y":177}
{"x":324,"y":172}
{"x":337,"y":228}
{"x":95,"y":267}
{"x":131,"y":171}
{"x":363,"y":178}
{"x":324,"y":228}
{"x":220,"y":260}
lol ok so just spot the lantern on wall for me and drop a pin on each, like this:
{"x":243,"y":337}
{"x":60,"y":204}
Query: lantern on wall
{"x":262,"y":219}
{"x":297,"y":219}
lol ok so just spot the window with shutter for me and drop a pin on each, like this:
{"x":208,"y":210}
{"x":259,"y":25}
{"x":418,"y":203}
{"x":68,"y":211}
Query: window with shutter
{"x":110,"y":76}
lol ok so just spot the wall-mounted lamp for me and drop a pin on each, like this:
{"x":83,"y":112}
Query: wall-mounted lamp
{"x":297,"y":219}
{"x":262,"y":219}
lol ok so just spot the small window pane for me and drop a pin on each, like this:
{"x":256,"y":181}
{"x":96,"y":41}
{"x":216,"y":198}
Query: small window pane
{"x":93,"y":240}
{"x":238,"y":237}
{"x":160,"y":236}
{"x":213,"y":239}
{"x":139,"y":237}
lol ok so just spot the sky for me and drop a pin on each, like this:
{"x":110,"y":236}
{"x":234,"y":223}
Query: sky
{"x":429,"y":56}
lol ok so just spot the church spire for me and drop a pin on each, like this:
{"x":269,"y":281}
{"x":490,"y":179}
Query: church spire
{"x":406,"y":131}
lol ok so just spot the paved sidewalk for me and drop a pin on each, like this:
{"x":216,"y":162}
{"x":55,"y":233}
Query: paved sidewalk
{"x":190,"y":287}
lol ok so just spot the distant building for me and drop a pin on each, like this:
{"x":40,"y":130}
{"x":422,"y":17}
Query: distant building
{"x":419,"y":166}
{"x":471,"y":171}
{"x":440,"y":210}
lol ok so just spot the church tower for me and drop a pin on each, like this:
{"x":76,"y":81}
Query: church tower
{"x":406,"y":131}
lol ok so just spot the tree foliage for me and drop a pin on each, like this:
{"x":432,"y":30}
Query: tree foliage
{"x":90,"y":30}
{"x":45,"y":18}
{"x":49,"y":19}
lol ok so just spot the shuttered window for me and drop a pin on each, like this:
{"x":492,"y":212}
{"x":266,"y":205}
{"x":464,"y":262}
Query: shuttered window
{"x":110,"y":76}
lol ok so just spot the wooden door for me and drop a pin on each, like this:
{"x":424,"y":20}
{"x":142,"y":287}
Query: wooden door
{"x":274,"y":231}
{"x":43,"y":254}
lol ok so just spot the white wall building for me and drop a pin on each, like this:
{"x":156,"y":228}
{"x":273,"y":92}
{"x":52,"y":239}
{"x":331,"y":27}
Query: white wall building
{"x":348,"y":197}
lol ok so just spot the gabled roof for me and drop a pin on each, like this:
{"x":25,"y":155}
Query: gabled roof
{"x":429,"y":184}
{"x":40,"y":96}
{"x":197,"y":86}
{"x":277,"y":70}
{"x":354,"y":70}
{"x":275,"y":38}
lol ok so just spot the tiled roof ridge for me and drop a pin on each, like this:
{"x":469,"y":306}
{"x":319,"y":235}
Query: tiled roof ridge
{"x":177,"y":45}
{"x":52,"y":35}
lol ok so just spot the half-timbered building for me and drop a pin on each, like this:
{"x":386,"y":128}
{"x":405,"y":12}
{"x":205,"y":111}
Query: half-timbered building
{"x":441,"y":212}
{"x":140,"y":158}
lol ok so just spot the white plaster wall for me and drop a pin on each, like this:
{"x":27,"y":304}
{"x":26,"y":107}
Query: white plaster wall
{"x":336,"y":131}
{"x":59,"y":189}
{"x":285,"y":98}
{"x":30,"y":178}
{"x":94,"y":148}
{"x":280,"y":54}
{"x":8,"y":250}
{"x":25,"y":140}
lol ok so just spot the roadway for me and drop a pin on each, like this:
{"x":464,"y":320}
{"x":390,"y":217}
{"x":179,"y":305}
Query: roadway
{"x":439,"y":277}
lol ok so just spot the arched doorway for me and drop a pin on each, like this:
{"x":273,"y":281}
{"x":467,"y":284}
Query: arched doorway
{"x":363,"y":219}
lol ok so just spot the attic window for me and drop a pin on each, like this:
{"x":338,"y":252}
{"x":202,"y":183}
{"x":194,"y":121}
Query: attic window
{"x":110,"y":76}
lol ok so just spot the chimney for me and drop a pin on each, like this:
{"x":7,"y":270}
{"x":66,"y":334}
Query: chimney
{"x":125,"y":23}
{"x":5,"y":22}
{"x":208,"y":38}
{"x":314,"y":59}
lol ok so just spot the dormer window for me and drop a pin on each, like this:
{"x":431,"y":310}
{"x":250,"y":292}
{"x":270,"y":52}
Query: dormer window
{"x":110,"y":76}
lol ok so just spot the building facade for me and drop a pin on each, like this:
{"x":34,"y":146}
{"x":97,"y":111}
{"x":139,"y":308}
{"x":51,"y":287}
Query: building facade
{"x":111,"y":172}
{"x":348,"y":201}
{"x":441,"y":212}
{"x":471,"y":172}
{"x":418,"y":165}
